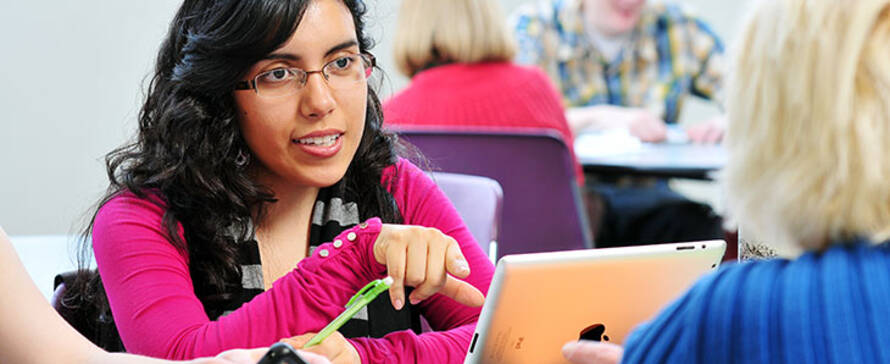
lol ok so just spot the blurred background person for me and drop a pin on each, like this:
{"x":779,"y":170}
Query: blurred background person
{"x":809,"y":112}
{"x":624,"y":63}
{"x":458,"y":54}
{"x":629,"y":64}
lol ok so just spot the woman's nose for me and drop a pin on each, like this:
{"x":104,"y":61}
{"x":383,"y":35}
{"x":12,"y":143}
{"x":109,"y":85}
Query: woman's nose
{"x":316,"y":99}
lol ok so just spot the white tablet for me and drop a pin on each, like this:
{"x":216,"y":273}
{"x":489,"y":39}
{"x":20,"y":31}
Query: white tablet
{"x":539,"y":302}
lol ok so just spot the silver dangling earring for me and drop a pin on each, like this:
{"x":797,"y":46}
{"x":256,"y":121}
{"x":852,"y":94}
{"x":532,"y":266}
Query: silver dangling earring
{"x":242,"y":159}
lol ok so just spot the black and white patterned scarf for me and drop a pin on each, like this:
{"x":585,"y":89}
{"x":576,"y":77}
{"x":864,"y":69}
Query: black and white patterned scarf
{"x":332,"y":215}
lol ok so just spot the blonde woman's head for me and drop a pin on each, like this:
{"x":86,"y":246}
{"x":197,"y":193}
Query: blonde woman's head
{"x":809,"y":134}
{"x":444,"y":31}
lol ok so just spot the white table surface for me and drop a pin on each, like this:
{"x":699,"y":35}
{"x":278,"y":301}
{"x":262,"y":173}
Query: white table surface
{"x":617,"y":149}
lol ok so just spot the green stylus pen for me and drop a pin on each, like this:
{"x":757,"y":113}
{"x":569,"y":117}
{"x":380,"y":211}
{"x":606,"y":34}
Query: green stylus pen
{"x":361,"y":299}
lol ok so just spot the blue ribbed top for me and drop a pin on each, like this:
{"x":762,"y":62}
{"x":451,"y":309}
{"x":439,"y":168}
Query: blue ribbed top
{"x":830,"y":307}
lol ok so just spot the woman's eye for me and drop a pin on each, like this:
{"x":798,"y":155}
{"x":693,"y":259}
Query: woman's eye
{"x":342,"y":63}
{"x":276,"y":75}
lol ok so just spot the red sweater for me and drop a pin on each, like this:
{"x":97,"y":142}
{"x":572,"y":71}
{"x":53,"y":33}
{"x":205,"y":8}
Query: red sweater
{"x":466,"y":95}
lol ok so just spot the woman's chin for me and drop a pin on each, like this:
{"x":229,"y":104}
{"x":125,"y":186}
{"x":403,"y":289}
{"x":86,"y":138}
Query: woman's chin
{"x":322,"y":179}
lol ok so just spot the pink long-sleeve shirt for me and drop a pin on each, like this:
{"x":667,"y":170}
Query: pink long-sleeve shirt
{"x":157,"y":313}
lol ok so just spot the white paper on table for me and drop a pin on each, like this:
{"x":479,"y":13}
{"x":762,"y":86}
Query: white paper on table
{"x":606,"y":143}
{"x":676,"y":135}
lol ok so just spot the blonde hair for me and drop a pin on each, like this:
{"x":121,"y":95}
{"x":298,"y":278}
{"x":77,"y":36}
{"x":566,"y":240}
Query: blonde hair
{"x":809,"y":114}
{"x":438,"y":31}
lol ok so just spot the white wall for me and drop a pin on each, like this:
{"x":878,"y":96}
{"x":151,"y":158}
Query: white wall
{"x":70,"y":74}
{"x":70,"y":85}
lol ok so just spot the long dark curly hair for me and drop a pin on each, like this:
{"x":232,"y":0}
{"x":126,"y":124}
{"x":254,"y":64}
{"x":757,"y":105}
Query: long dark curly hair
{"x":189,"y":148}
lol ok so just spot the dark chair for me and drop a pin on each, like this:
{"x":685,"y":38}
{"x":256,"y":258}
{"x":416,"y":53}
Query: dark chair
{"x":543,"y":209}
{"x":479,"y":202}
{"x":81,"y":312}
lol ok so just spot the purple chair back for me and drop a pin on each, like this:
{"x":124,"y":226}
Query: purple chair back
{"x":542,"y":202}
{"x":479,"y":201}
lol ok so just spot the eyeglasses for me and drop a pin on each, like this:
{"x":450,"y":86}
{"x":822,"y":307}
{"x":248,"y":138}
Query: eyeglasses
{"x":341,"y":73}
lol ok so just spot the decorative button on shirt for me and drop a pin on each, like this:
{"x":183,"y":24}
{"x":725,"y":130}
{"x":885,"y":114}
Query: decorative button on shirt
{"x":323,"y":253}
{"x":338,"y":243}
{"x":351,"y":236}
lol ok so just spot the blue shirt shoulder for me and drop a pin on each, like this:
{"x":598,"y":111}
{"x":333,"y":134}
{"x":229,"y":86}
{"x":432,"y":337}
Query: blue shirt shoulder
{"x":821,"y":307}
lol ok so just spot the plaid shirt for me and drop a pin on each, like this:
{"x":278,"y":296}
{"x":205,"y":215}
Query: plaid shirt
{"x":671,"y":54}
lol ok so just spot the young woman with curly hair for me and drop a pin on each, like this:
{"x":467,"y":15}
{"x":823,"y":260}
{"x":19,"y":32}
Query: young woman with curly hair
{"x":261,"y":193}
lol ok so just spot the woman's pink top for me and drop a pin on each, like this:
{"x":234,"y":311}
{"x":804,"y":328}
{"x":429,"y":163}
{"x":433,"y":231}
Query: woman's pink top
{"x":157,"y":313}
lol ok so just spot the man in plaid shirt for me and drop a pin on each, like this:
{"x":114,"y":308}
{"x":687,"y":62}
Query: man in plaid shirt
{"x":624,"y":63}
{"x":629,"y":64}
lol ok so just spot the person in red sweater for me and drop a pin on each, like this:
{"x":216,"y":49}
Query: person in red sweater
{"x":458,"y":54}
